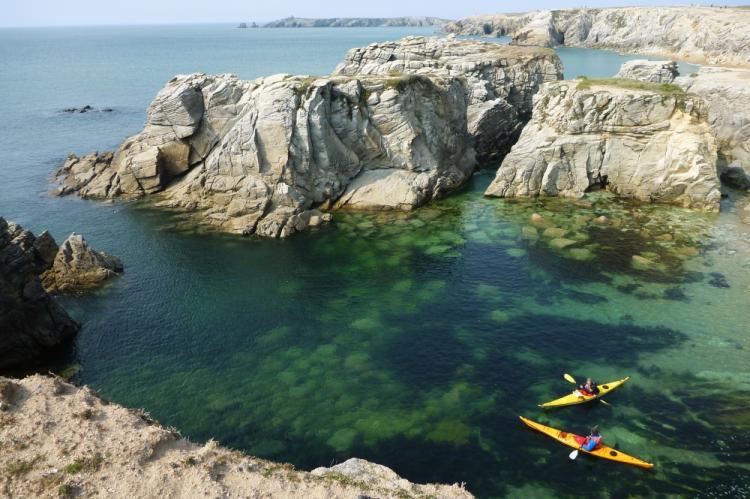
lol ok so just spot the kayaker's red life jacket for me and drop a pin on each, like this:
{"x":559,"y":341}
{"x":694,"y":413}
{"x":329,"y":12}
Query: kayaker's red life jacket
{"x":589,"y":393}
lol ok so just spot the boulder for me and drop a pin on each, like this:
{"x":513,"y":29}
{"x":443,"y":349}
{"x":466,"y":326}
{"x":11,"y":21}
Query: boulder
{"x":31,"y":321}
{"x":636,"y":139}
{"x":649,"y":71}
{"x":77,"y":267}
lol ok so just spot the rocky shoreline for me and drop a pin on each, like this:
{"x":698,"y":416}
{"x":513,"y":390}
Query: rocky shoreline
{"x":89,"y":447}
{"x":395,"y":126}
{"x":32,"y":268}
{"x":711,"y":35}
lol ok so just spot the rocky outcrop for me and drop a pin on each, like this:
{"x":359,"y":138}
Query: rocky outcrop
{"x":258,"y":156}
{"x":31,"y":322}
{"x":649,"y":71}
{"x":78,"y":267}
{"x":642,"y":141}
{"x":714,"y":35}
{"x":501,"y":80}
{"x":91,"y":448}
{"x":261,"y":157}
{"x":727,"y":93}
{"x":355,"y":22}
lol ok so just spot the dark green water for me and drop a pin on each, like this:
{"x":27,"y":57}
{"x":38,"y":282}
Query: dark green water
{"x":413,"y":340}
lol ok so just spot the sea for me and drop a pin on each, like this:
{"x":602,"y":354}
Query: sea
{"x":414,"y":340}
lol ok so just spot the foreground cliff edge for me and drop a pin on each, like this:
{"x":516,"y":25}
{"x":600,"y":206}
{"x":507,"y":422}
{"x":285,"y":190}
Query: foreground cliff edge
{"x":59,"y":440}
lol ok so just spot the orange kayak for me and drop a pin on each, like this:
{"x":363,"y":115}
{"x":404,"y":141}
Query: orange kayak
{"x":571,"y":440}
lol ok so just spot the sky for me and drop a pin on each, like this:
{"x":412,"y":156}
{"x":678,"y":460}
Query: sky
{"x":101,"y":12}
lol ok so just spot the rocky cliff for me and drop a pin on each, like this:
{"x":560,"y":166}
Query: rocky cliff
{"x":642,"y":141}
{"x":260,"y":157}
{"x":727,"y":93}
{"x":354,"y":22}
{"x":714,"y":35}
{"x":31,"y":322}
{"x":62,"y":441}
{"x":649,"y":71}
{"x":78,"y":267}
{"x":501,"y":80}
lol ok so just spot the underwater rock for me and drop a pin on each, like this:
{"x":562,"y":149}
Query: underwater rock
{"x":561,"y":243}
{"x":78,"y":267}
{"x":31,"y":321}
{"x":554,"y":232}
{"x":718,"y":280}
{"x":642,"y":263}
{"x":639,"y":142}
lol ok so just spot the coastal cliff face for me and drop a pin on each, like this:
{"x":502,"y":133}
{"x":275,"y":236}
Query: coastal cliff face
{"x":31,"y":322}
{"x":727,"y":94}
{"x":93,"y":448}
{"x":395,"y":127}
{"x":641,"y":141}
{"x":703,"y":34}
{"x":501,"y":80}
{"x":354,"y":22}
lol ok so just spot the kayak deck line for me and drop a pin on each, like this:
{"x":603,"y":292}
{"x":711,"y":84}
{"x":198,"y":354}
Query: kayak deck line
{"x":577,"y":397}
{"x":570,"y":439}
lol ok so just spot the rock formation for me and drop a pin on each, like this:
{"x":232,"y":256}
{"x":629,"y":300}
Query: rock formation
{"x":78,"y":267}
{"x":649,"y":71}
{"x":703,"y":34}
{"x":31,"y":322}
{"x":355,"y":22}
{"x":642,"y":141}
{"x":727,"y":93}
{"x":91,"y":448}
{"x":259,"y":157}
{"x":501,"y":80}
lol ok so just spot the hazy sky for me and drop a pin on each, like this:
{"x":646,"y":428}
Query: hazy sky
{"x":85,"y":12}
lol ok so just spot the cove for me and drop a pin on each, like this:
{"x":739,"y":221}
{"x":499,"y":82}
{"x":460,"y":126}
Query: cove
{"x":410,"y":340}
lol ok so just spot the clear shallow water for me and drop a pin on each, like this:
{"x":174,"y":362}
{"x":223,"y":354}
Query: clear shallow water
{"x":411,"y":340}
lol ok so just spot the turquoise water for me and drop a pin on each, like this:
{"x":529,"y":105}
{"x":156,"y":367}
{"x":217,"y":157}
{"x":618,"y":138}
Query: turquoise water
{"x":413,"y":340}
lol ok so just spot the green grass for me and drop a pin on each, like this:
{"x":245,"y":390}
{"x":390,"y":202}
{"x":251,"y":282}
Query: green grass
{"x":85,"y":464}
{"x":66,"y":490}
{"x":660,"y":88}
{"x":21,"y":467}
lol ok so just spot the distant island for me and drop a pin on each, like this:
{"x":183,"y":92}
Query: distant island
{"x":355,"y":22}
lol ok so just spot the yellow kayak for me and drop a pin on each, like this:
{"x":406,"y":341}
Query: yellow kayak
{"x":602,"y":451}
{"x":578,"y":398}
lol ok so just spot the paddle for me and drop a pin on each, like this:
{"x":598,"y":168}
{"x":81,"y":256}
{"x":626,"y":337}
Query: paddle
{"x":573,"y":455}
{"x":571,"y":379}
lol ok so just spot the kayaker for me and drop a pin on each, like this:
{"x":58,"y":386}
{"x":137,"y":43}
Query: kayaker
{"x":593,"y":440}
{"x":590,"y":388}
